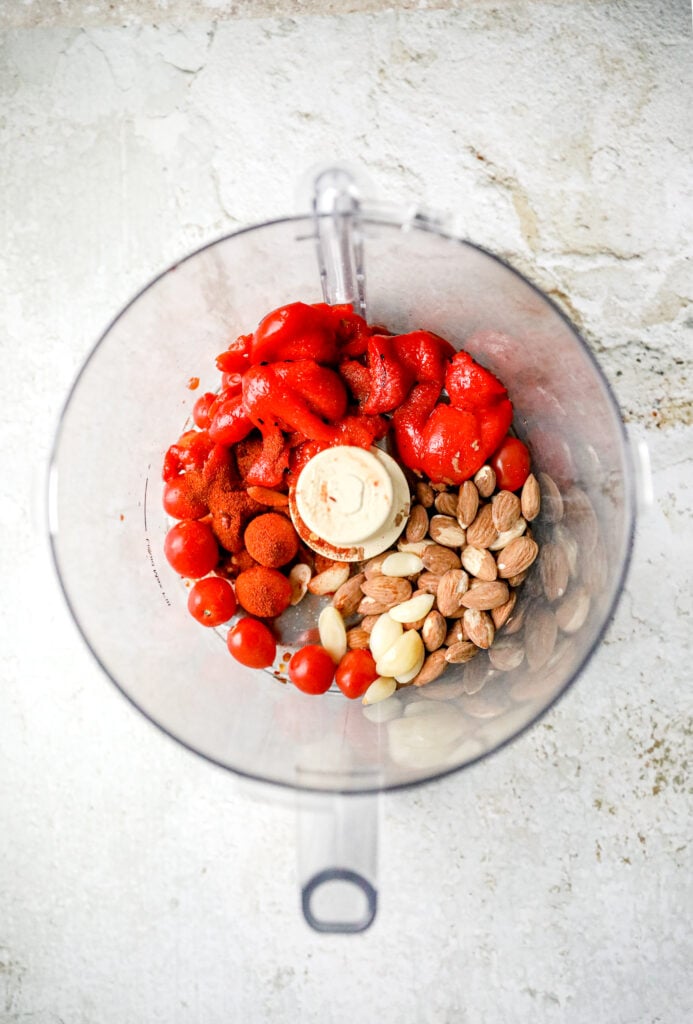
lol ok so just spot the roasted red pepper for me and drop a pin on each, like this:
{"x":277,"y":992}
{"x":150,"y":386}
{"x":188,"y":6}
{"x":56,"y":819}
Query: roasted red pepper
{"x":236,"y":359}
{"x":410,"y":422}
{"x":230,"y":421}
{"x":469,"y":384}
{"x":424,"y":355}
{"x":299,"y":396}
{"x":296,"y":331}
{"x":390,"y":379}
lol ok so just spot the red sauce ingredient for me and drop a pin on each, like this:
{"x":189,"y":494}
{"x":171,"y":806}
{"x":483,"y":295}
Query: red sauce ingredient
{"x":263,"y":592}
{"x":271,"y":540}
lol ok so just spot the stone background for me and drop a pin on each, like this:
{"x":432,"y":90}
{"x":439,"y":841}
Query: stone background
{"x":552,"y":882}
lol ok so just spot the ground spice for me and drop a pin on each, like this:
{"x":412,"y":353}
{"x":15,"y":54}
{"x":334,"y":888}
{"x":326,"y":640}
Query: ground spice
{"x":231,"y":510}
{"x":263,"y":592}
{"x":271,"y":540}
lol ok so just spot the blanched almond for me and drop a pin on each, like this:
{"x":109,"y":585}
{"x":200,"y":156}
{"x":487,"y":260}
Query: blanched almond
{"x":417,"y":524}
{"x":329,"y":581}
{"x":380,"y":689}
{"x":415,"y":608}
{"x":332,"y":631}
{"x":402,"y":656}
{"x":479,"y":562}
{"x":299,"y":577}
{"x":401,"y":563}
{"x":408,"y":677}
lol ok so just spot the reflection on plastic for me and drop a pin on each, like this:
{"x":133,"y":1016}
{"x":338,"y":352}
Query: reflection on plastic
{"x":339,"y":900}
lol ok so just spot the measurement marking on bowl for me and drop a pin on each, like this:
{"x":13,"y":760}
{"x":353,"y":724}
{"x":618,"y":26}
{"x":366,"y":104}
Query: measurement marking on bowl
{"x":149,"y":546}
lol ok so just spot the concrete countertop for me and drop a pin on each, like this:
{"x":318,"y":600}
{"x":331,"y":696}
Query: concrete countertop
{"x":552,"y":882}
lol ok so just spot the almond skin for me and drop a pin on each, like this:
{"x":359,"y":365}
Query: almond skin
{"x":551,"y":499}
{"x":357,"y":639}
{"x":446,"y":504}
{"x":425,"y":495}
{"x":485,"y":481}
{"x":479,"y":627}
{"x":385,"y":592}
{"x":429,"y":582}
{"x":459,"y":653}
{"x":479,"y":562}
{"x":502,"y":613}
{"x":517,"y":556}
{"x":438,"y":559}
{"x":434,"y":630}
{"x":446,"y":531}
{"x":330,"y":580}
{"x":541,"y":629}
{"x":348,"y":597}
{"x":554,"y":569}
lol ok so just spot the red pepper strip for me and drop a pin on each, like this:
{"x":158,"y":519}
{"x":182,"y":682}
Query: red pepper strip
{"x":295,"y":396}
{"x":296,"y":331}
{"x":495,"y":423}
{"x":409,"y":422}
{"x":230,"y":421}
{"x":357,"y":378}
{"x":273,"y":462}
{"x":453,"y":448}
{"x":302,"y":454}
{"x":188,"y":453}
{"x":361,"y":431}
{"x":470,"y":385}
{"x":236,"y":359}
{"x":391,"y":380}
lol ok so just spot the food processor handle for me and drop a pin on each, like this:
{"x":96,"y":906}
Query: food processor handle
{"x":337,"y":860}
{"x":336,"y":210}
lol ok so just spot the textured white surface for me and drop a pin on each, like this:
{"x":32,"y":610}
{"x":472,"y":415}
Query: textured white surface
{"x":551,"y":883}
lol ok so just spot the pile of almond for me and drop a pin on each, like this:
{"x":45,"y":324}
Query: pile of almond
{"x":440,"y":596}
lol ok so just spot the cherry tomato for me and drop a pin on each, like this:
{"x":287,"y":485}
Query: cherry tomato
{"x":200,"y":413}
{"x":311,"y":669}
{"x":511,"y":464}
{"x":355,"y":673}
{"x":191,"y":548}
{"x":181,"y":502}
{"x":252,"y":643}
{"x":212,"y":601}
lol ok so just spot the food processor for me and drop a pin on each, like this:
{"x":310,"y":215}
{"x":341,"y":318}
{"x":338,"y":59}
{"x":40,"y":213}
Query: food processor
{"x":107,"y":525}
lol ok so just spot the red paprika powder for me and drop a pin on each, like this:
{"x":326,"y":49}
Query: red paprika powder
{"x":271,"y":540}
{"x":263,"y":592}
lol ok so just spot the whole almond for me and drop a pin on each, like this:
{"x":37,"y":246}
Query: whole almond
{"x":417,"y":524}
{"x":541,"y":629}
{"x":446,"y":503}
{"x":368,"y":621}
{"x":594,"y":570}
{"x":479,"y":562}
{"x":516,"y":620}
{"x":485,"y":481}
{"x":518,"y":578}
{"x":476,"y":675}
{"x":554,"y":570}
{"x":348,"y":597}
{"x":425,"y":495}
{"x":329,"y":581}
{"x":482,"y":532}
{"x":502,"y":612}
{"x":458,"y":653}
{"x":357,"y":639}
{"x":456,"y":633}
{"x":438,"y":559}
{"x":451,"y":589}
{"x":413,"y":547}
{"x":530,"y":498}
{"x":467,"y":503}
{"x":517,"y":556}
{"x":387,"y":591}
{"x":551,"y":499}
{"x":434,"y":630}
{"x":503,"y":539}
{"x":580,"y":518}
{"x":486,"y":596}
{"x":429,"y":582}
{"x":505,"y":510}
{"x":506,"y":655}
{"x":446,"y":531}
{"x":434,"y":666}
{"x":479,"y":626}
{"x":573,"y":610}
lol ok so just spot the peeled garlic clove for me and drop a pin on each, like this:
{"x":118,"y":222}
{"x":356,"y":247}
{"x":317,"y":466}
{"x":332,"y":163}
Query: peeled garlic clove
{"x":415,"y":608}
{"x":401,"y":563}
{"x":380,"y":689}
{"x":384,"y":634}
{"x":406,"y":677}
{"x":402,"y":656}
{"x":332,"y":633}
